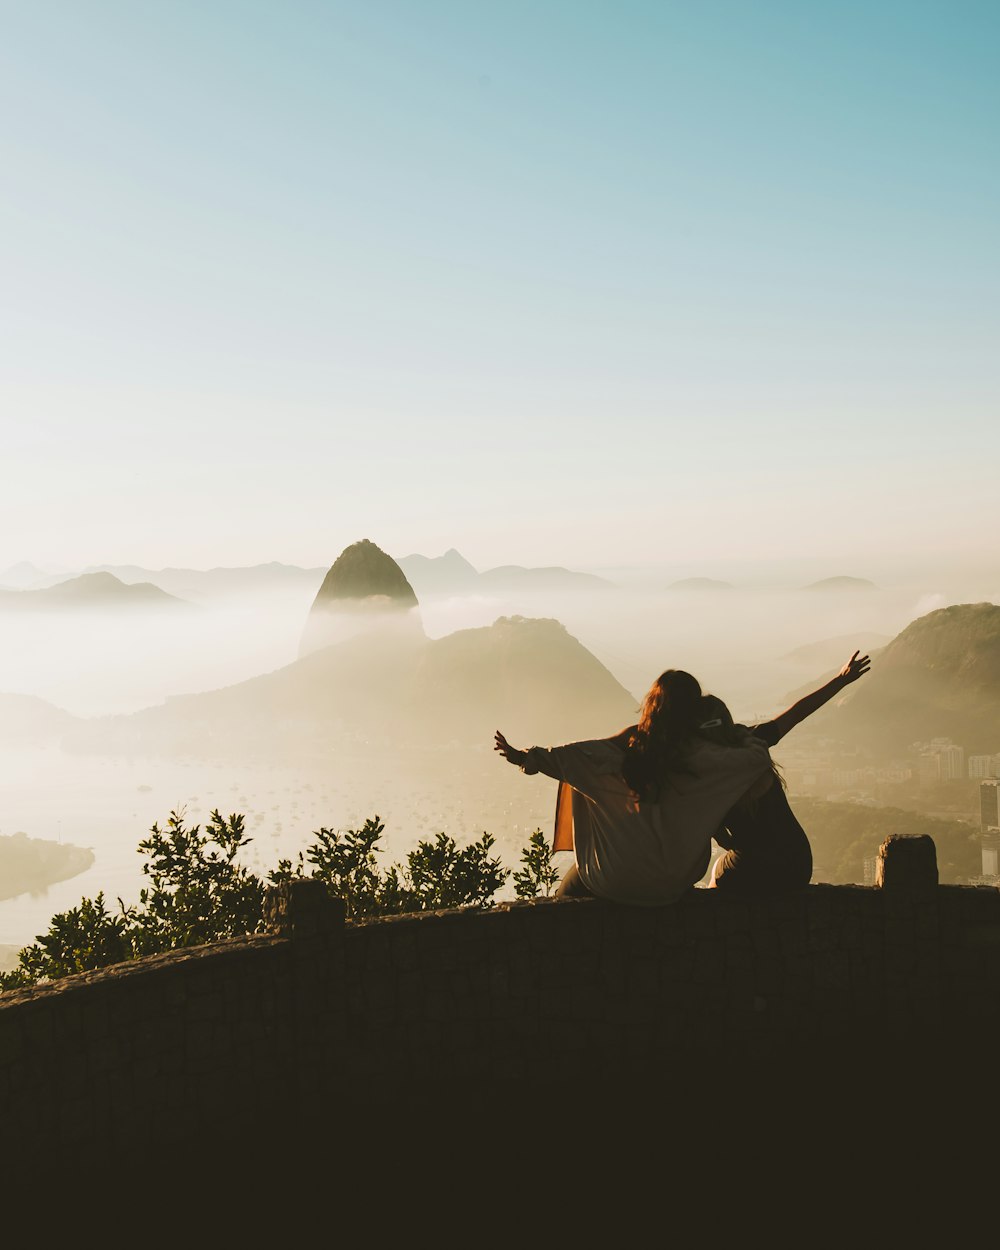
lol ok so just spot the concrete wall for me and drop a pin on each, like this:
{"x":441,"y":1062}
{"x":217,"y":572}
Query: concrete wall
{"x":545,"y":1000}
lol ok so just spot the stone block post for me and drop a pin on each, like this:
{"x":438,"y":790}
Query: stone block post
{"x":907,"y":873}
{"x":313,"y":920}
{"x":907,"y":864}
{"x":303,"y":909}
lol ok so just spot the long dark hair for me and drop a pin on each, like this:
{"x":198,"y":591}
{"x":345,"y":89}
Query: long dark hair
{"x":658,"y":745}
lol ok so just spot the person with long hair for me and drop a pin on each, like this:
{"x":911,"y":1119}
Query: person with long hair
{"x":646,"y":803}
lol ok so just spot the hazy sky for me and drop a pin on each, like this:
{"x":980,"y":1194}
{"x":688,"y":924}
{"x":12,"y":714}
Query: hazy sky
{"x":552,"y":282}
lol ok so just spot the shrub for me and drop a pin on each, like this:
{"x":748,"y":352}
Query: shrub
{"x":539,"y":875}
{"x":198,"y":892}
{"x":436,"y":874}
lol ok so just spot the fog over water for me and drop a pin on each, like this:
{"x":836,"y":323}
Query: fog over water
{"x":94,"y":663}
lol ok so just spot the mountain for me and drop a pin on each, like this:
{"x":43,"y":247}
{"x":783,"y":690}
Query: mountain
{"x":842,"y":583}
{"x":700,"y":583}
{"x":25,"y":576}
{"x":203,"y":585}
{"x":529,"y":677}
{"x":33,"y":864}
{"x":508,"y":578}
{"x":452,"y":574}
{"x":830,"y":652}
{"x":448,"y":574}
{"x":528,"y":674}
{"x":439,"y":575}
{"x":25,"y":718}
{"x":363,"y":573}
{"x":89,"y":590}
{"x":940,"y":677}
{"x":365,"y":589}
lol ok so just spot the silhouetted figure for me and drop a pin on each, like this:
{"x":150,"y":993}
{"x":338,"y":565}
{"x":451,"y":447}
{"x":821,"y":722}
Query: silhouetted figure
{"x":765,"y":849}
{"x":647,"y":802}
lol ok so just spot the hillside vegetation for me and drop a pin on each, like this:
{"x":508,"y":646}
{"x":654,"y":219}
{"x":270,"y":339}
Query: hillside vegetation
{"x":844,"y":835}
{"x":940,"y":677}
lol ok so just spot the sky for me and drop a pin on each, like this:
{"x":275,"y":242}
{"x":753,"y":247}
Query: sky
{"x":593,"y":284}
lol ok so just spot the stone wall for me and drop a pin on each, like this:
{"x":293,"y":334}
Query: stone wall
{"x":320,"y":1019}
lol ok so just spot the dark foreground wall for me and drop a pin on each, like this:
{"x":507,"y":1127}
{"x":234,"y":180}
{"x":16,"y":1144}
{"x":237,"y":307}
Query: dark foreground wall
{"x":521,"y":1006}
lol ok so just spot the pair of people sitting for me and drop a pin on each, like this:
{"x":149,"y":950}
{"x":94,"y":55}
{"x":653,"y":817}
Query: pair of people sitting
{"x":640,"y":810}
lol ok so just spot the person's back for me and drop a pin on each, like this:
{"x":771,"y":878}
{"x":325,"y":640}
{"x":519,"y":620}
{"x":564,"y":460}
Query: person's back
{"x":765,"y":849}
{"x":645,"y":808}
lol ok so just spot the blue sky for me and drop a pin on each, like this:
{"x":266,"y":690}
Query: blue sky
{"x":576,"y":283}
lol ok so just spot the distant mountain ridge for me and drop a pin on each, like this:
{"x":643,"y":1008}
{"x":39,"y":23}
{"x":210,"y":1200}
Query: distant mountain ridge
{"x":26,"y":718}
{"x":452,"y":574}
{"x":89,"y":590}
{"x":529,"y":676}
{"x":27,"y":576}
{"x":202,"y":585}
{"x":447,"y":574}
{"x":842,"y":583}
{"x":939,"y":677}
{"x":828,"y":651}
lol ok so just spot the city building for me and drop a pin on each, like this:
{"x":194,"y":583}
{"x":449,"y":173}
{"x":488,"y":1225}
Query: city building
{"x":983,"y":766}
{"x":942,"y":760}
{"x":991,"y":854}
{"x":989,"y":805}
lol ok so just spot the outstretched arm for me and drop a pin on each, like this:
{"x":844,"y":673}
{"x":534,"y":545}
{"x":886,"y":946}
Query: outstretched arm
{"x":511,"y":754}
{"x":855,"y":667}
{"x":583,"y":765}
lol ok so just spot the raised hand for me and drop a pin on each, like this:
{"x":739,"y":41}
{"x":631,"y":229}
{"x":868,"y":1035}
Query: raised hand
{"x":855,"y":667}
{"x":511,"y":754}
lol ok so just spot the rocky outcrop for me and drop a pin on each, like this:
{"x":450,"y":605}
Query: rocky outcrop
{"x":365,"y":591}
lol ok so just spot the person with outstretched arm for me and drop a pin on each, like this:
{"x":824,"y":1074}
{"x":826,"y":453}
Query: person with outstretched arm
{"x":646,"y":804}
{"x":774,"y":730}
{"x":765,"y":849}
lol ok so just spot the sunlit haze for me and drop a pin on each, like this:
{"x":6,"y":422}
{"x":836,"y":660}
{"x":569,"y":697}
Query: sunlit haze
{"x":678,"y":309}
{"x":602,"y":286}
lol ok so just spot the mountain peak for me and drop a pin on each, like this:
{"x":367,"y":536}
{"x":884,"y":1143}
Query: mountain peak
{"x":363,"y":587}
{"x":842,"y":583}
{"x":364,"y":573}
{"x":99,"y":580}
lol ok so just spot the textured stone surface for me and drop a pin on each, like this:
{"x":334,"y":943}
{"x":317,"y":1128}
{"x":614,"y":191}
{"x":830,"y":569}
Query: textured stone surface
{"x":379,"y":1016}
{"x":303,"y":909}
{"x":907,"y":863}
